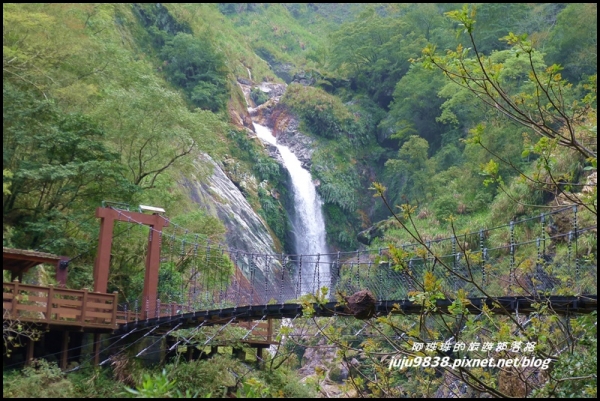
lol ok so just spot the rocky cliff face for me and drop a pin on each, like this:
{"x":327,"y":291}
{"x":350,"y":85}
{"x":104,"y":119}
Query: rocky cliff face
{"x":285,"y":127}
{"x":246,"y":231}
{"x":283,"y":124}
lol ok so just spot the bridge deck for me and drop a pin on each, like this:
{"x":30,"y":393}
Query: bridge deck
{"x":501,"y":305}
{"x":83,"y":310}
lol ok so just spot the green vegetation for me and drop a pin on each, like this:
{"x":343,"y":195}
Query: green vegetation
{"x":323,"y":114}
{"x":541,"y":130}
{"x":198,"y":69}
{"x":258,"y":96}
{"x":217,"y":377}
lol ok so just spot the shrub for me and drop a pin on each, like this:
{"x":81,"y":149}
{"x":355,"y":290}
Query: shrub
{"x":258,"y":96}
{"x":444,"y":206}
{"x":196,"y":66}
{"x":40,"y":380}
{"x":285,"y":383}
{"x":155,"y":386}
{"x":323,"y":114}
{"x":215,"y":376}
{"x":94,"y":383}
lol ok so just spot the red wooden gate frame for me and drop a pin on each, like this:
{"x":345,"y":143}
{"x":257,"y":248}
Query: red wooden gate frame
{"x":102,"y":264}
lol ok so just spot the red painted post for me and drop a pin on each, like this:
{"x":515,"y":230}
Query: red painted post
{"x":102,"y":265}
{"x":61,"y":271}
{"x":14,"y":309}
{"x":153,"y":264}
{"x":84,"y":300}
{"x":115,"y":304}
{"x":49,"y":301}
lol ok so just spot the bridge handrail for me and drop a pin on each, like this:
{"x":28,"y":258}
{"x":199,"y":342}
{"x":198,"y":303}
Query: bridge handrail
{"x":47,"y":304}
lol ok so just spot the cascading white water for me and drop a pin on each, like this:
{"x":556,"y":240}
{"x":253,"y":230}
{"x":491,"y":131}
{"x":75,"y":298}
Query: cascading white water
{"x":308,"y":222}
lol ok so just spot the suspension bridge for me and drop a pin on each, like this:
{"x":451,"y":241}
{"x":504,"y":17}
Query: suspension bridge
{"x":547,"y":259}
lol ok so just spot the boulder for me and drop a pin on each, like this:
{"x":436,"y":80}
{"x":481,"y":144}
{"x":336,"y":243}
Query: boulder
{"x":361,"y":304}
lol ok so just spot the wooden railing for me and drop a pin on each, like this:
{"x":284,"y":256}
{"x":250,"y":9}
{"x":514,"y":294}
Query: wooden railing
{"x":32,"y":303}
{"x":162,"y":310}
{"x":262,"y":331}
{"x":38,"y":304}
{"x":128,"y":316}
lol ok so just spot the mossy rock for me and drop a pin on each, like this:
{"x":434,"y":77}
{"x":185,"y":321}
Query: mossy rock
{"x":336,"y":375}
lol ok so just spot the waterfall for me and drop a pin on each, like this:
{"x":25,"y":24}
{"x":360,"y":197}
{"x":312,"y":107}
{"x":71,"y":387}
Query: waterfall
{"x":307,"y":222}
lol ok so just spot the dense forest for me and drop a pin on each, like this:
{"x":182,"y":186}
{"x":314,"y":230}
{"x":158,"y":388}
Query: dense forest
{"x":463,"y":116}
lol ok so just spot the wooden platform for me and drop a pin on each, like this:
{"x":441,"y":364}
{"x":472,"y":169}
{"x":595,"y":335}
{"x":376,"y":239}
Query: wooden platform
{"x":59,"y":308}
{"x":82,"y":310}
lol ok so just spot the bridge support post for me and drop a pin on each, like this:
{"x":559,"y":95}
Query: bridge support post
{"x":64,"y":350}
{"x":29,"y":351}
{"x":96,"y":349}
{"x":102,"y":264}
{"x":152,"y":265}
{"x":259,"y":355}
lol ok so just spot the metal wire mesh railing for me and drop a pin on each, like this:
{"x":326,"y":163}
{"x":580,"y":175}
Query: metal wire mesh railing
{"x":531,"y":257}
